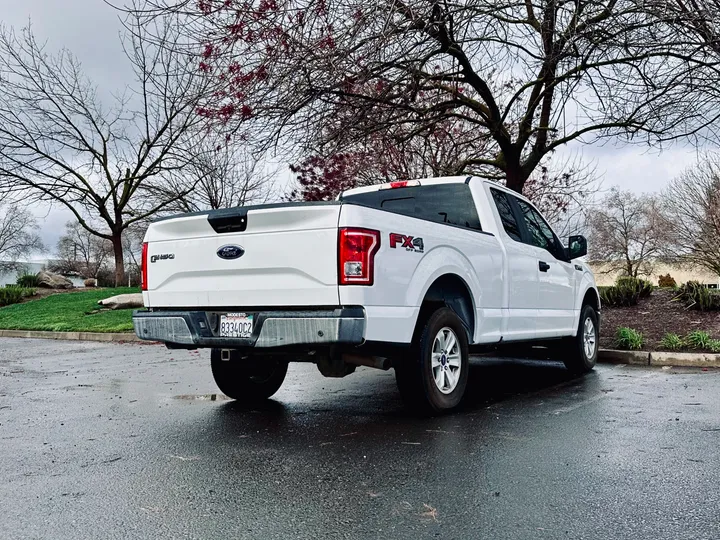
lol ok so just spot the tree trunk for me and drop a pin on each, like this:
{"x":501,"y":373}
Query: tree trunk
{"x":119,"y":259}
{"x":515,"y":177}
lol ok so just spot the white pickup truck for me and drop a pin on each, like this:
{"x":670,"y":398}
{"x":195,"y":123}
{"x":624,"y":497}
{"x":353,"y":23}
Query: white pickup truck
{"x":412,"y":275}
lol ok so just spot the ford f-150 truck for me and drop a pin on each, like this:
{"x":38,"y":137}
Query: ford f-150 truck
{"x":412,"y":275}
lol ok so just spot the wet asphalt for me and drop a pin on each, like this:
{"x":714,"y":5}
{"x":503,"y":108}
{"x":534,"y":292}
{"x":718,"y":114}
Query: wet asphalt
{"x":132,"y":441}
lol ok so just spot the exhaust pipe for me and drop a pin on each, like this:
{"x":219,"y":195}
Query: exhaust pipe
{"x":375,"y":362}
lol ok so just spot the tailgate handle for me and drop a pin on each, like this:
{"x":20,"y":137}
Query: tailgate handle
{"x":229,"y":223}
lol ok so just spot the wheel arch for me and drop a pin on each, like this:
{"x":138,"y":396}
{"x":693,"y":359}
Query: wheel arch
{"x":592,"y":298}
{"x":452,"y":291}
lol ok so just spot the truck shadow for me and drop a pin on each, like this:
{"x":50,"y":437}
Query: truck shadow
{"x":372,"y":397}
{"x":494,"y":379}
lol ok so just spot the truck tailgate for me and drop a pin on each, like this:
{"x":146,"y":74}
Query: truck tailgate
{"x":287,"y":257}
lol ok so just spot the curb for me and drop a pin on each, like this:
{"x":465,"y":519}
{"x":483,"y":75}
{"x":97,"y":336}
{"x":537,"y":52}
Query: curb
{"x":71,"y":336}
{"x":684,"y":359}
{"x":635,"y":358}
{"x":640,"y":358}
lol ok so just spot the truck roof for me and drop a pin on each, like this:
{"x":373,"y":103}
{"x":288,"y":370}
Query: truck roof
{"x":403,"y":183}
{"x":427,"y":182}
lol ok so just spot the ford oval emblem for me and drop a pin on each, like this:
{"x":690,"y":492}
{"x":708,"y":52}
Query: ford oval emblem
{"x":230,"y":252}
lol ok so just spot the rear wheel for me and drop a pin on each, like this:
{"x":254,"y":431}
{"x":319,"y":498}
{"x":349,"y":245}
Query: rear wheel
{"x":248,"y":381}
{"x":581,"y":351}
{"x":435,"y":375}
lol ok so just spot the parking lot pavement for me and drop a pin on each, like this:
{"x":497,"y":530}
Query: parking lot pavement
{"x":131,"y":441}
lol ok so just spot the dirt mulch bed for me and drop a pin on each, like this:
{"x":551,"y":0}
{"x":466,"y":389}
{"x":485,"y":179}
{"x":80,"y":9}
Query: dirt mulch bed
{"x":654,"y":317}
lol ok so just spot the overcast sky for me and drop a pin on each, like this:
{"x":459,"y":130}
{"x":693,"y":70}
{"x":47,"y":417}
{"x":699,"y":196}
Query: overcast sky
{"x":90,"y":29}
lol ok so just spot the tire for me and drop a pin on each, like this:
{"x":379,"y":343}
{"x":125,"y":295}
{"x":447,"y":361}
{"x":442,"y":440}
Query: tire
{"x":434,"y":378}
{"x":248,"y":381}
{"x":581,"y":352}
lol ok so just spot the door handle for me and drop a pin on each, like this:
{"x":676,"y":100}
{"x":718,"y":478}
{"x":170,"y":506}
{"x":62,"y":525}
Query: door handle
{"x":544,"y":267}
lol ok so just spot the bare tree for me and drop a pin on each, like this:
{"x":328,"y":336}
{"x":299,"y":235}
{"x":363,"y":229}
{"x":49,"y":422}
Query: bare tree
{"x":628,"y":232}
{"x":61,"y":144}
{"x":529,"y":76}
{"x":565,"y":192}
{"x":691,"y":205}
{"x":18,"y":235}
{"x":82,"y":251}
{"x":222,"y":176}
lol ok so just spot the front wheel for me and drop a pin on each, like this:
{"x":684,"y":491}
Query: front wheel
{"x":580,"y":355}
{"x":435,"y":376}
{"x":248,"y":381}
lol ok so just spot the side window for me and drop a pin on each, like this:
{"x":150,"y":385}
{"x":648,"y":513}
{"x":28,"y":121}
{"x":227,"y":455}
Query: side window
{"x":506,"y":214}
{"x":541,"y":234}
{"x":447,"y":203}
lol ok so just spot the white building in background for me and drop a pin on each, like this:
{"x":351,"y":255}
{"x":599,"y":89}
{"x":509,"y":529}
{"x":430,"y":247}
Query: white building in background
{"x":9,"y":277}
{"x":681,"y":273}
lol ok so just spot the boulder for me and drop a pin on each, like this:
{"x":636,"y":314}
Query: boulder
{"x":123,"y":301}
{"x":48,"y":280}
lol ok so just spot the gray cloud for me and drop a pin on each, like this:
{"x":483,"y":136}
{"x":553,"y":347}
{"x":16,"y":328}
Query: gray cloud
{"x":636,"y":168}
{"x":89,"y":28}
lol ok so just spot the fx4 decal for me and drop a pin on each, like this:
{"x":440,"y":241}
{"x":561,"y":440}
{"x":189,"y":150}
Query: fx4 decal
{"x":407,"y":242}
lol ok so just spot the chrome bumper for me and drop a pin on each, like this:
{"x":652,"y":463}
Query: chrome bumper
{"x":195,"y":329}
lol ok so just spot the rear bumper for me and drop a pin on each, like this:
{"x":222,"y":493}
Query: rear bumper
{"x":272,"y":329}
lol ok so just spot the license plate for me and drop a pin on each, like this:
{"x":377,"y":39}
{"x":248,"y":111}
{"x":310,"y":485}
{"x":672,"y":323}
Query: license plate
{"x":236,"y":325}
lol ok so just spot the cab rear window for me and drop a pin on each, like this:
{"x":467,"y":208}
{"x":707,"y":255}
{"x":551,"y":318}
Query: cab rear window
{"x":451,"y":204}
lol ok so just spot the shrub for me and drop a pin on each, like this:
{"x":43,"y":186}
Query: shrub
{"x":695,"y":295}
{"x":28,"y":280}
{"x":105,"y":278}
{"x":90,"y":283}
{"x":672,"y":342}
{"x":618,"y":296}
{"x":646,"y":288}
{"x":24,"y":291}
{"x":608,"y":296}
{"x":629,"y":339}
{"x":11,"y":295}
{"x":667,"y":281}
{"x":643,"y":287}
{"x":626,"y":292}
{"x":698,"y":340}
{"x":714,"y":345}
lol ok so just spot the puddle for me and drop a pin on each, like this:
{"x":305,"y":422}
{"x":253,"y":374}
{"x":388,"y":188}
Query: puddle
{"x":203,"y":397}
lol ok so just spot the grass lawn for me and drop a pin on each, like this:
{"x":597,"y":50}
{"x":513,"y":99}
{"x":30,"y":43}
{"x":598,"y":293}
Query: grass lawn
{"x":68,"y":312}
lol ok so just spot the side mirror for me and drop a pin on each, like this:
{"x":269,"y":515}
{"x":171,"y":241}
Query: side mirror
{"x":577,"y":247}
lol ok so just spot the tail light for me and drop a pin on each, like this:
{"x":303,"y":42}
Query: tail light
{"x":144,"y":269}
{"x":356,"y":255}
